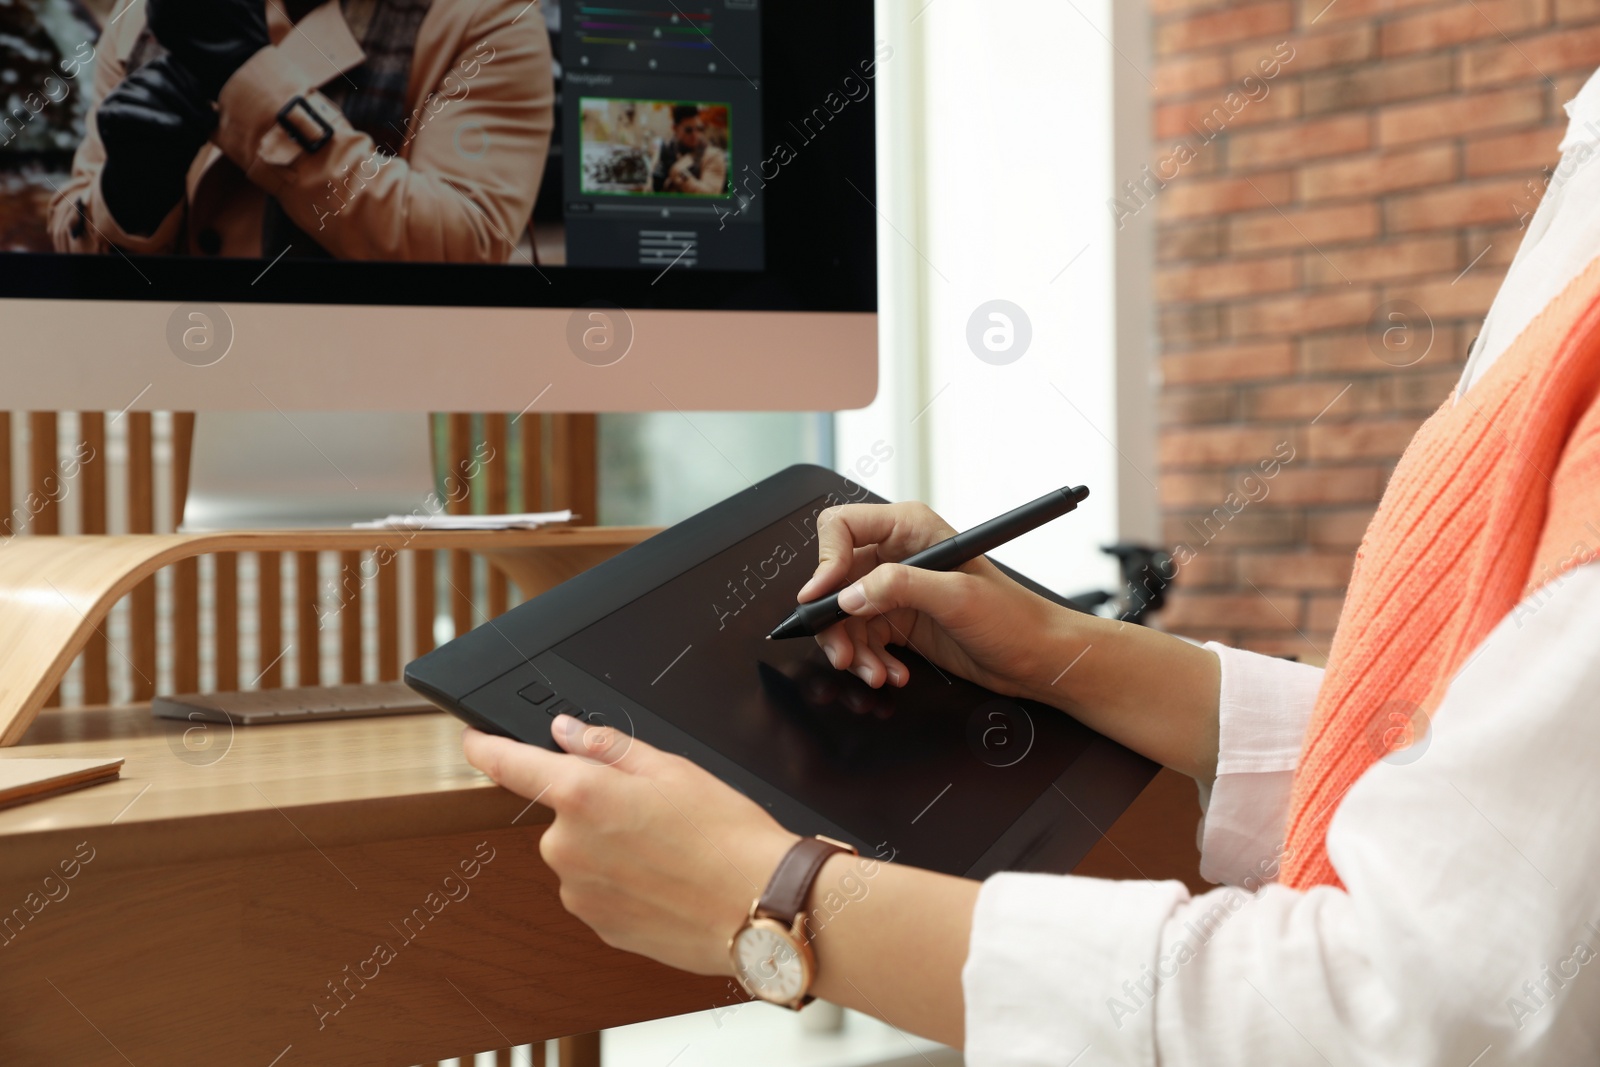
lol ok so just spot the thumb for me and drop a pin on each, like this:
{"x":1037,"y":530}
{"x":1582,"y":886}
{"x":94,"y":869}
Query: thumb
{"x":891,"y":586}
{"x":613,"y":746}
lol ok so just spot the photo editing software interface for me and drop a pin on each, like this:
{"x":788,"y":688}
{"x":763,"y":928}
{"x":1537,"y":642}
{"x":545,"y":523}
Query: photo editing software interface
{"x":665,"y":109}
{"x":575,"y":134}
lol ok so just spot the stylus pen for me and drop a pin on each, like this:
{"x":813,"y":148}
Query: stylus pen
{"x":810,"y":619}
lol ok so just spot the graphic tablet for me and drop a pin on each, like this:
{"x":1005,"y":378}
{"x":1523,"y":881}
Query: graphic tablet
{"x":666,"y":642}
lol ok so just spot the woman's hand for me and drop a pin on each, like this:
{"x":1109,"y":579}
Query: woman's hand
{"x":661,"y":858}
{"x":1149,"y":690}
{"x":655,"y":854}
{"x":975,"y":621}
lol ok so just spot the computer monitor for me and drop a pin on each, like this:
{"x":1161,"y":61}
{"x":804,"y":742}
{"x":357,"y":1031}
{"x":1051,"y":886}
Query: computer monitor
{"x":460,"y":205}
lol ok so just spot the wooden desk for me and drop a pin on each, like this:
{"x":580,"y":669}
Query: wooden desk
{"x":230,"y":890}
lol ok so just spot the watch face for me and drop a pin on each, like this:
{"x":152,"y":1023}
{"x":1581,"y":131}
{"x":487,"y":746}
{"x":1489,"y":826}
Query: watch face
{"x":768,"y":963}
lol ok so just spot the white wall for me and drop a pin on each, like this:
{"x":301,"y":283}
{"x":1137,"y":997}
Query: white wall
{"x":996,"y":124}
{"x":887,"y":426}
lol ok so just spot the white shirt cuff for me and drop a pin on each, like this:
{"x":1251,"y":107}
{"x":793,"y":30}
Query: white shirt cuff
{"x":1044,"y":951}
{"x":1263,"y":710}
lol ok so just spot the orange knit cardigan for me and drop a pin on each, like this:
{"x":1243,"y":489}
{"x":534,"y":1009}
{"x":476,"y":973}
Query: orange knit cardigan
{"x":1497,"y":496}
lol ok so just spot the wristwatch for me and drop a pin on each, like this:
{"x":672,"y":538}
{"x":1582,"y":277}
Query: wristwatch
{"x":771,"y":953}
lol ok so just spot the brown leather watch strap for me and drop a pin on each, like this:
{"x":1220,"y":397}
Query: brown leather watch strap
{"x":786,"y":892}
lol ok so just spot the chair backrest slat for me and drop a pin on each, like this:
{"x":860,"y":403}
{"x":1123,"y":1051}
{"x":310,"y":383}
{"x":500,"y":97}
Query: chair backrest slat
{"x":92,"y":473}
{"x":307,"y":619}
{"x":574,"y":482}
{"x":350,"y":600}
{"x":185,"y":573}
{"x":91,"y":491}
{"x":458,"y":497}
{"x":530,"y":440}
{"x":424,"y":600}
{"x":44,"y":482}
{"x":270,"y":649}
{"x":141,"y":490}
{"x":42,"y":504}
{"x":9,"y":508}
{"x":225,"y":611}
{"x":388,"y":565}
{"x":497,"y":500}
{"x":141,"y":472}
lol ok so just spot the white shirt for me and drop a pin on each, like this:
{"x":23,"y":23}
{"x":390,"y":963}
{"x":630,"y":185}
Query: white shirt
{"x":1468,"y":931}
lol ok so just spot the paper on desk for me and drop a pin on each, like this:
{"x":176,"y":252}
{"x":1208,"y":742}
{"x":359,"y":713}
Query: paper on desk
{"x":24,"y":778}
{"x":528,"y":520}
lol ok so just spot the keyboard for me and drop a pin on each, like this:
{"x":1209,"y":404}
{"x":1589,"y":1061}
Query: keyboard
{"x":292,"y":705}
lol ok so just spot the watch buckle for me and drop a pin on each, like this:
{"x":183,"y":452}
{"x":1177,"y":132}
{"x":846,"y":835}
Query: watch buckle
{"x":835,"y":841}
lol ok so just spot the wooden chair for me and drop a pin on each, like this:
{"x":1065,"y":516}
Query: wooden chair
{"x":222,"y":622}
{"x":93,"y":473}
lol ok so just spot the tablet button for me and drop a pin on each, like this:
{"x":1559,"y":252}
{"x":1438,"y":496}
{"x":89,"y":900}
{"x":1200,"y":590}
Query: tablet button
{"x":537,"y":693}
{"x":562,"y":707}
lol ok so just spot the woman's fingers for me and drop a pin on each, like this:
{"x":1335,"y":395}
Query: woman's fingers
{"x":852,"y":542}
{"x":526,"y":770}
{"x":837,"y":644}
{"x":868,"y":666}
{"x":881,"y":633}
{"x":896,"y":531}
{"x":606,"y":745}
{"x":841,"y":533}
{"x":860,"y":646}
{"x":554,"y":777}
{"x":893,"y":587}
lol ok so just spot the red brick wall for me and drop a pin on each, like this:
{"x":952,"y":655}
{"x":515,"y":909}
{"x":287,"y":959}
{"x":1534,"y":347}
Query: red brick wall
{"x":1397,"y":144}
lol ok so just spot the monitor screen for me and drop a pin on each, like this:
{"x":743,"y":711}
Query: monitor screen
{"x":714,"y":154}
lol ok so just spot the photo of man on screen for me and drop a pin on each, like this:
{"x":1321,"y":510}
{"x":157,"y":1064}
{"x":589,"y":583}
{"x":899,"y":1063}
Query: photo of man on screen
{"x":689,"y":162}
{"x":654,"y":148}
{"x":397,"y":130}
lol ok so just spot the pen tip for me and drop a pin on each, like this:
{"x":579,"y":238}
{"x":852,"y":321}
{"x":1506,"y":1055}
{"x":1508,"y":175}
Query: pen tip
{"x":769,"y":637}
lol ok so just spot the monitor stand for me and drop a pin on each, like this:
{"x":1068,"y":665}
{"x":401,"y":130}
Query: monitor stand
{"x":268,"y":470}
